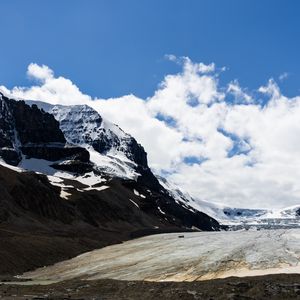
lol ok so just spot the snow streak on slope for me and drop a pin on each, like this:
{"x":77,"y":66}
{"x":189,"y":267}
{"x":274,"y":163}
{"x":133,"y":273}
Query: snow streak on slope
{"x":4,"y":164}
{"x":42,"y":166}
{"x":114,"y":164}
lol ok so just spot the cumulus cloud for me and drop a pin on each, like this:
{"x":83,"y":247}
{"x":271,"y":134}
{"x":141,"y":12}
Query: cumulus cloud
{"x":219,"y":143}
{"x":55,"y":90}
{"x":271,"y":89}
{"x":41,"y":73}
{"x":239,"y":94}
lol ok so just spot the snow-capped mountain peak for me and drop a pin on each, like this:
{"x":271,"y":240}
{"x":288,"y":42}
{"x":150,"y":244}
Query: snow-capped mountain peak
{"x":81,"y":124}
{"x":113,"y":151}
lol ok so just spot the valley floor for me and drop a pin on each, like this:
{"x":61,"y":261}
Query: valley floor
{"x":184,"y":257}
{"x":199,"y":265}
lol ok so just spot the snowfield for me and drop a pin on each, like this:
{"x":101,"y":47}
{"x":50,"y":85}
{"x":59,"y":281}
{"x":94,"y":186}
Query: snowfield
{"x":196,"y":256}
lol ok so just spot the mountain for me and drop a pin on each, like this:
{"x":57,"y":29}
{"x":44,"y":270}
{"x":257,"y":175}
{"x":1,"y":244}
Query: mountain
{"x":71,"y":182}
{"x":237,"y":218}
{"x":113,"y":152}
{"x":288,"y":217}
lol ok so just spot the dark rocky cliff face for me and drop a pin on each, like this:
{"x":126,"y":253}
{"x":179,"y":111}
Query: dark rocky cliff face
{"x":7,"y":134}
{"x":32,"y":132}
{"x":34,"y":125}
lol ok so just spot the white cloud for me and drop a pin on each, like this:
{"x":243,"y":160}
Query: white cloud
{"x":190,"y":66}
{"x":41,"y":73}
{"x":55,"y":90}
{"x":240,"y":96}
{"x":271,"y":89}
{"x":248,"y":153}
{"x":133,"y":115}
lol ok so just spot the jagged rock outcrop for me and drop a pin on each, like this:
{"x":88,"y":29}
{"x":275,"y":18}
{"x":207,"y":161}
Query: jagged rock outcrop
{"x":54,"y":152}
{"x":8,"y":139}
{"x":33,"y":125}
{"x":27,"y":130}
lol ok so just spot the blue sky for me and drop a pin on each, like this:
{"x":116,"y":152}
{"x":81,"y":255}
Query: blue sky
{"x":111,"y":48}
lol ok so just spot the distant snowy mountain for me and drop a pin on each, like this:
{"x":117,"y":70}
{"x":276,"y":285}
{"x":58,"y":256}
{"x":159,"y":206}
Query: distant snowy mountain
{"x":236,"y":217}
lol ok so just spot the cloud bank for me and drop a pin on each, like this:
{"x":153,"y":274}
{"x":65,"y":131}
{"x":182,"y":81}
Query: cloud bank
{"x":219,"y":143}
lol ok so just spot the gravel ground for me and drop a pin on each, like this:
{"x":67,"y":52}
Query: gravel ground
{"x":271,"y":287}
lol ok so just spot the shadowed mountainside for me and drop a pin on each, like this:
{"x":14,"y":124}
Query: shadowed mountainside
{"x":38,"y":227}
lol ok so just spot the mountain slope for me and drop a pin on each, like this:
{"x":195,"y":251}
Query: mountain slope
{"x":71,"y":182}
{"x":114,"y":152}
{"x":237,"y":217}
